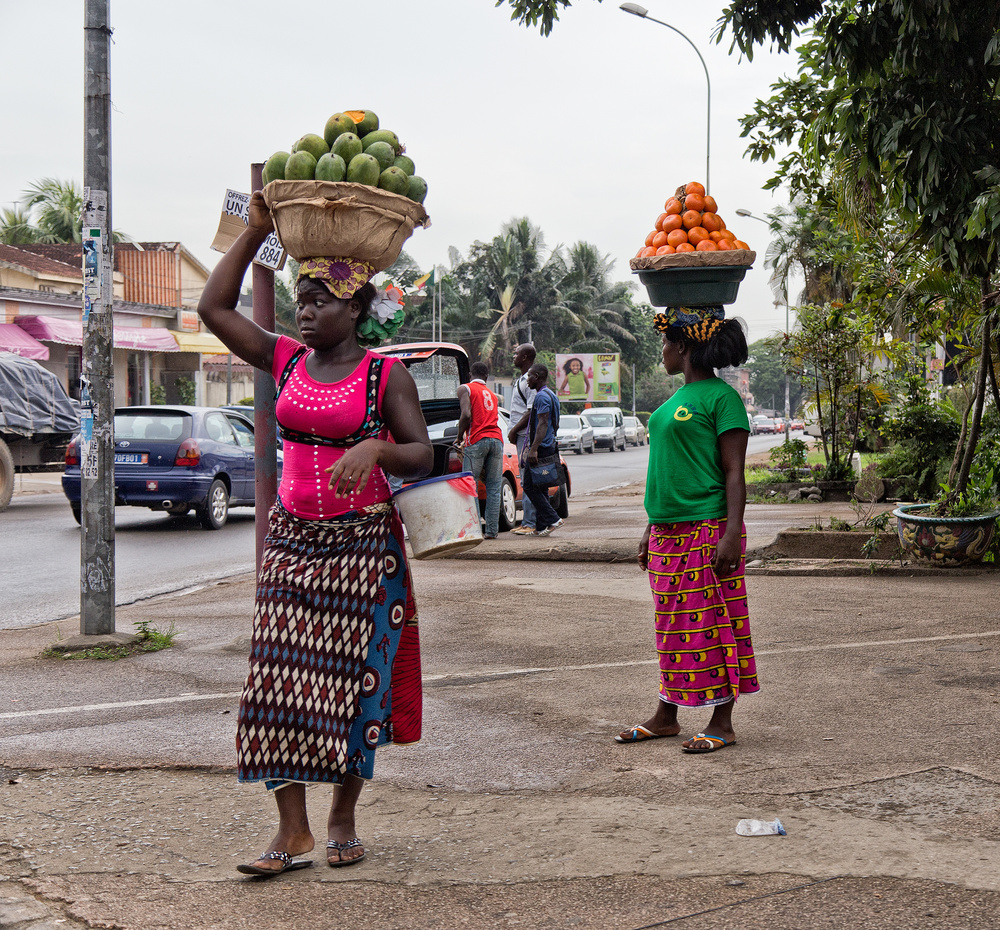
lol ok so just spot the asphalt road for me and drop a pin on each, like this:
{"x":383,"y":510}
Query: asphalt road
{"x":157,"y":554}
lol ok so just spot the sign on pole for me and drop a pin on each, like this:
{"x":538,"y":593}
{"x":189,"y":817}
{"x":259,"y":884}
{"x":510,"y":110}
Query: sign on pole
{"x":588,"y":377}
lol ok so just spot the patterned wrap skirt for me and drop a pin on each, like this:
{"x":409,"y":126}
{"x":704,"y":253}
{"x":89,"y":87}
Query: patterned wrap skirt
{"x":335,"y":654}
{"x":702,"y":622}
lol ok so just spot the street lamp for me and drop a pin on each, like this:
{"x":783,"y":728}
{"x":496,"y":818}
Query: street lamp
{"x":643,"y":13}
{"x":741,"y":211}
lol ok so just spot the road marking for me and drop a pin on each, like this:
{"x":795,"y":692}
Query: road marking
{"x":494,"y":674}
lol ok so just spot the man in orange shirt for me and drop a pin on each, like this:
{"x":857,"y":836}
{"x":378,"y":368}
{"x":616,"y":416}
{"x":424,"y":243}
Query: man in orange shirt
{"x":478,"y":428}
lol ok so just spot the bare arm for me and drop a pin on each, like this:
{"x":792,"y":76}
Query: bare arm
{"x":541,"y":431}
{"x":733,"y":448}
{"x":217,"y":307}
{"x":465,"y":405}
{"x":409,"y":456}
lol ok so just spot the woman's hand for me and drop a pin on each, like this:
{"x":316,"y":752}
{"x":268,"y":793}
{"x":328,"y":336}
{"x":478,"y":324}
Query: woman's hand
{"x":350,"y":474}
{"x":642,"y":556}
{"x":260,"y":217}
{"x":727,"y":555}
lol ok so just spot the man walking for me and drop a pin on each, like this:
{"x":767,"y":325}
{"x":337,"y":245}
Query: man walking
{"x":520,"y":404}
{"x":543,"y":451}
{"x":478,"y":428}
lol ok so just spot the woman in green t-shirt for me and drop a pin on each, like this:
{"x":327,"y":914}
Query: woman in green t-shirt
{"x":693,"y":548}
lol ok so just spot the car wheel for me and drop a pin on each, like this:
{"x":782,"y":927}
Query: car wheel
{"x":579,"y":448}
{"x":508,"y":506}
{"x":215,"y":512}
{"x":593,"y":446}
{"x":76,"y":513}
{"x":560,"y":503}
{"x":6,"y":475}
{"x":612,"y":446}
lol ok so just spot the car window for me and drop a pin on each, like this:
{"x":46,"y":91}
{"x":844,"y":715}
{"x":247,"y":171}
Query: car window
{"x":243,"y":430}
{"x":569,"y":423}
{"x":436,"y":378}
{"x":217,"y":427}
{"x":600,"y":419}
{"x":152,"y":426}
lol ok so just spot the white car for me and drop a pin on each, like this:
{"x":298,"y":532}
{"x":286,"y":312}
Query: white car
{"x":575,"y":434}
{"x":609,"y":428}
{"x":635,"y":432}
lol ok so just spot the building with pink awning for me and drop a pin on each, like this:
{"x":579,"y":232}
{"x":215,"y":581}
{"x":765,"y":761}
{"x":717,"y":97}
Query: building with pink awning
{"x":70,"y":333}
{"x":16,"y":340}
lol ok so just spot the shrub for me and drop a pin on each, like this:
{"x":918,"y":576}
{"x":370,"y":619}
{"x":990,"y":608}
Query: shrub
{"x":924,"y":437}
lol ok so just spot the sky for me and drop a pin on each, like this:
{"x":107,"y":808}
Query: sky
{"x":585,"y":132}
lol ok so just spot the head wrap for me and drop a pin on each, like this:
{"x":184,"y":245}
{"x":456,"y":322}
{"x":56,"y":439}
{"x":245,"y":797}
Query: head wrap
{"x":344,"y":277}
{"x":699,"y":324}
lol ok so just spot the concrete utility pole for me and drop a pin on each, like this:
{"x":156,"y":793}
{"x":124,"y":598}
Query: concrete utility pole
{"x":265,"y":430}
{"x":97,"y":468}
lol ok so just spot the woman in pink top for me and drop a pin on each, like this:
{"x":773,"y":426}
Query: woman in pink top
{"x":335,"y":661}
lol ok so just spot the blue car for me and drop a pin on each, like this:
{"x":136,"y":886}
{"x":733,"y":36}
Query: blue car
{"x":177,"y":459}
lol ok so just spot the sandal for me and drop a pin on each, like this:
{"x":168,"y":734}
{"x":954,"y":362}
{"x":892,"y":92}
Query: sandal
{"x":350,"y":844}
{"x":711,"y":743}
{"x":288,"y":864}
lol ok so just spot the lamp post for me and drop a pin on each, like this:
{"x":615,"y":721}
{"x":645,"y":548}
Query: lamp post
{"x":643,"y":13}
{"x":740,"y":211}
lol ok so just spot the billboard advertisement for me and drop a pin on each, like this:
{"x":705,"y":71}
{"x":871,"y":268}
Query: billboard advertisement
{"x":588,"y":377}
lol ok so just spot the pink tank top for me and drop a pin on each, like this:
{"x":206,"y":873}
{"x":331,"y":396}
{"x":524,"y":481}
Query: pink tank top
{"x":334,"y":410}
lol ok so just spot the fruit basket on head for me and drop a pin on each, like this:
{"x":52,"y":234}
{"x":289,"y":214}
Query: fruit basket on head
{"x":349,"y":192}
{"x":691,"y":259}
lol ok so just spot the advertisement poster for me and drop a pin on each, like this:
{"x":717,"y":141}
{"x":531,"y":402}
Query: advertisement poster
{"x":588,"y":377}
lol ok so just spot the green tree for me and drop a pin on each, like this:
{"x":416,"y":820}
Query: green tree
{"x":767,"y":374}
{"x":50,"y":212}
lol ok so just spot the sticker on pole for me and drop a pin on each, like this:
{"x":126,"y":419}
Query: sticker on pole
{"x":234,"y":219}
{"x":93,"y":270}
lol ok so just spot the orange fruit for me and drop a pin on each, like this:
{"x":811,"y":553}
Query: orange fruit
{"x":710,"y":221}
{"x":722,"y":222}
{"x":691,"y":218}
{"x":694,"y":202}
{"x":676,"y":237}
{"x":710,"y":204}
{"x":672,"y":221}
{"x":740,"y":244}
{"x":685,"y":247}
{"x":660,"y":219}
{"x":673,"y":205}
{"x":639,"y":253}
{"x":659,"y":239}
{"x":649,"y":237}
{"x":723,"y":245}
{"x":646,"y":252}
{"x":694,"y":187}
{"x":706,"y":245}
{"x":727,"y":234}
{"x":665,"y":250}
{"x":698,"y":234}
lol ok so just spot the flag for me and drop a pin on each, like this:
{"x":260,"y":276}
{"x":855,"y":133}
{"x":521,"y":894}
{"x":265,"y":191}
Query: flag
{"x":426,"y":279}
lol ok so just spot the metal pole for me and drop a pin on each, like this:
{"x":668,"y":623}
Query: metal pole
{"x":788,"y":412}
{"x":97,"y":466}
{"x":265,"y":433}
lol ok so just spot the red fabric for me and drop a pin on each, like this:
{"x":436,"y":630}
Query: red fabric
{"x":485,"y":405}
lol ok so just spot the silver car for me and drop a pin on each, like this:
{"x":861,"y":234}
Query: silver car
{"x":575,"y":435}
{"x":635,"y":432}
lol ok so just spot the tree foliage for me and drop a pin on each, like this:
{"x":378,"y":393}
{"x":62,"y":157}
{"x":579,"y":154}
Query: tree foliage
{"x":50,"y":212}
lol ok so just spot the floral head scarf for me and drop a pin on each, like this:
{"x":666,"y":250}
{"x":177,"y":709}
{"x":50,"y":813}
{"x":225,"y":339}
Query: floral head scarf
{"x":699,"y":324}
{"x":344,"y":277}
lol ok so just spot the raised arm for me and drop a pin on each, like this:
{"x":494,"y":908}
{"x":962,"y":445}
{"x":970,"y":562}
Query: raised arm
{"x":217,"y":307}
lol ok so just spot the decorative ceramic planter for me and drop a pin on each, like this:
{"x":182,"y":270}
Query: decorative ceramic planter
{"x":944,"y":540}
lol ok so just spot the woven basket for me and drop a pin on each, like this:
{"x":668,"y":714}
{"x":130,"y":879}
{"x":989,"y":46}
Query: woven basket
{"x":728,"y":258}
{"x":327,"y":219}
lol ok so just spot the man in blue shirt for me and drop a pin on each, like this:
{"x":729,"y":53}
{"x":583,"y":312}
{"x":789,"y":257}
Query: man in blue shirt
{"x":543,"y":422}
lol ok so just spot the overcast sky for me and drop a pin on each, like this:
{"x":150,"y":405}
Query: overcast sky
{"x":585,"y":132}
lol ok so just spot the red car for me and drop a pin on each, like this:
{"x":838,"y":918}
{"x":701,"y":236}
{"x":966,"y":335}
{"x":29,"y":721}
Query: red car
{"x":438,"y":368}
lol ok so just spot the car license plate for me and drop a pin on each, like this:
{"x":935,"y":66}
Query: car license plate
{"x":131,"y":458}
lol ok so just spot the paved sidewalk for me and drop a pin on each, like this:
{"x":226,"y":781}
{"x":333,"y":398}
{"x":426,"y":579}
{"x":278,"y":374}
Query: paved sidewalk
{"x":517,"y":809}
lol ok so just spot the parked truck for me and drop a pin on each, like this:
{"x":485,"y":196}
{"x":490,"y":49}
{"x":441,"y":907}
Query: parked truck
{"x":37,"y":421}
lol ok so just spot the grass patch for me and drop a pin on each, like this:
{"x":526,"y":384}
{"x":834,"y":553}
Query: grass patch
{"x":151,"y":639}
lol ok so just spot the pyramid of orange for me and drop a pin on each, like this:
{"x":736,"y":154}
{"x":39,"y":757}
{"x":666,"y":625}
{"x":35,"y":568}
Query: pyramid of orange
{"x":690,"y":222}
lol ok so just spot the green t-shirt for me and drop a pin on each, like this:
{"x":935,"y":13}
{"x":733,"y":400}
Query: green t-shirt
{"x":685,"y":480}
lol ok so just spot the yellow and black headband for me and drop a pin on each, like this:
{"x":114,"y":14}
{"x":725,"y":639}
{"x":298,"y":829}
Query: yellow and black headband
{"x":699,"y":324}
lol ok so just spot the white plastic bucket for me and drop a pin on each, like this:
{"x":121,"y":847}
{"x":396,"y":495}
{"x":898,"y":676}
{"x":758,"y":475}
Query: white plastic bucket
{"x":441,"y":517}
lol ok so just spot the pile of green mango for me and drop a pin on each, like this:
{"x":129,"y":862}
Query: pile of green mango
{"x":352,"y":148}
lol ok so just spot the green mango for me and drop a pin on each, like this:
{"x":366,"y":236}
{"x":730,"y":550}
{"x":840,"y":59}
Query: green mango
{"x":364,"y":121}
{"x":301,"y":166}
{"x":383,"y":135}
{"x":406,"y":163}
{"x":417,"y":189}
{"x":382,"y":152}
{"x":274,"y":167}
{"x":337,"y":125}
{"x":313,"y":144}
{"x":394,"y":179}
{"x":346,"y":145}
{"x":331,"y":168}
{"x":363,"y":169}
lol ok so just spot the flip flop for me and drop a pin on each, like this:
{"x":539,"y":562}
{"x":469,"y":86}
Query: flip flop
{"x":350,"y":844}
{"x":639,"y":734}
{"x":288,"y":864}
{"x":714,"y":743}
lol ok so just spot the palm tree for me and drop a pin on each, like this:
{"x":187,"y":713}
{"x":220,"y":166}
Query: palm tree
{"x":51,"y":212}
{"x":593,"y":305}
